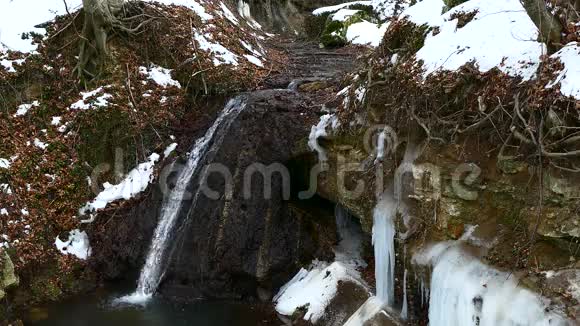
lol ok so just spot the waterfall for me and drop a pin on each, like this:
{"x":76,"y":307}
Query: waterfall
{"x":466,"y":292}
{"x":154,"y":267}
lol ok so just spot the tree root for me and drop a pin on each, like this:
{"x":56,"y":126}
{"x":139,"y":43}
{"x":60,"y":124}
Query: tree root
{"x":100,"y":18}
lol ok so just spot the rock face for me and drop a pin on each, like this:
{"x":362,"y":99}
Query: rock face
{"x":7,"y":277}
{"x":120,"y":239}
{"x":245,"y":245}
{"x":285,"y":15}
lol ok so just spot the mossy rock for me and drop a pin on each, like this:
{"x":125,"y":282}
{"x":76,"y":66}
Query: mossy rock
{"x":405,"y":38}
{"x":314,"y":25}
{"x":452,"y":3}
{"x":9,"y":277}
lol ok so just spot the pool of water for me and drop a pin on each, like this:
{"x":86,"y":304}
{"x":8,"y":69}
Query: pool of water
{"x":99,"y":309}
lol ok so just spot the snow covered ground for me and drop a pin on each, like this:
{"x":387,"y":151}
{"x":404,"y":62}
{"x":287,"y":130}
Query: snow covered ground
{"x":500,"y":35}
{"x":18,"y":24}
{"x":21,"y":16}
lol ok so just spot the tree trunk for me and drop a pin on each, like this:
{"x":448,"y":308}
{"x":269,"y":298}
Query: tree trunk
{"x":549,"y":26}
{"x":99,"y":15}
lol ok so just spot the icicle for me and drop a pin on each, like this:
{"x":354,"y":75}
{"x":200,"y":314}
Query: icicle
{"x":384,"y":245}
{"x":405,"y":310}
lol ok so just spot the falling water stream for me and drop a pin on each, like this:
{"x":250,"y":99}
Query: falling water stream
{"x":152,"y":272}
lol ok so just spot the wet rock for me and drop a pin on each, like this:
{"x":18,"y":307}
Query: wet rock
{"x":287,"y":15}
{"x":567,"y":187}
{"x":382,"y":319}
{"x":556,"y":222}
{"x":349,"y":297}
{"x":229,"y":246}
{"x":567,"y":282}
{"x":120,"y":239}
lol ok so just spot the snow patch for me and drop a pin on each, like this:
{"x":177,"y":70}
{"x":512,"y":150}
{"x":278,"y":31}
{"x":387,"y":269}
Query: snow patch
{"x":569,"y":76}
{"x":191,"y":4}
{"x":328,"y":9}
{"x":23,"y":108}
{"x":366,"y":33}
{"x":344,"y":14}
{"x":38,"y":143}
{"x":387,"y":9}
{"x":425,"y":12}
{"x":17,"y":20}
{"x":254,"y":60}
{"x":55,"y":121}
{"x":4,"y":163}
{"x":77,"y":244}
{"x":229,"y":14}
{"x":134,"y":183}
{"x":161,"y":76}
{"x":320,"y":131}
{"x":100,"y":101}
{"x":9,"y":64}
{"x":169,"y":149}
{"x":222,"y":55}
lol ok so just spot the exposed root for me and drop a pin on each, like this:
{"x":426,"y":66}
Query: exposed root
{"x":101,"y":17}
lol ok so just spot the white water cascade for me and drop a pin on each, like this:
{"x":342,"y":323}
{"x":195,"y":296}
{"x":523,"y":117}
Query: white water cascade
{"x":466,"y":292}
{"x":154,"y":267}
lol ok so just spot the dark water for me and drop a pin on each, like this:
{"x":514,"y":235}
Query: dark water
{"x":97,"y":309}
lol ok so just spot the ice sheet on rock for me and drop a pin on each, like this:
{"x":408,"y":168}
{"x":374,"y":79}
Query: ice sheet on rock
{"x":314,"y":288}
{"x":169,"y":149}
{"x":464,"y":291}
